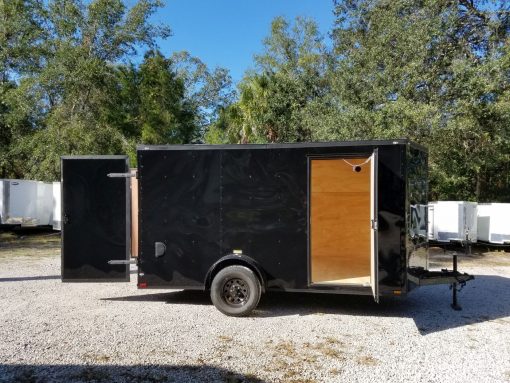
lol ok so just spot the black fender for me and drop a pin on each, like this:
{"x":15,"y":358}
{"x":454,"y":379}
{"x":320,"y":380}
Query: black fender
{"x":235,"y":259}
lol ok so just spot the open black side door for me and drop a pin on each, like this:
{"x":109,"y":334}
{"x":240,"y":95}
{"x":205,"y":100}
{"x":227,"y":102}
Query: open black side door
{"x":95,"y":219}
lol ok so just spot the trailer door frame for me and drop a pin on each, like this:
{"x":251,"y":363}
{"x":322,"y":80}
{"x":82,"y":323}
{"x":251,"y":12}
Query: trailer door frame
{"x":374,"y":259}
{"x":373,"y":282}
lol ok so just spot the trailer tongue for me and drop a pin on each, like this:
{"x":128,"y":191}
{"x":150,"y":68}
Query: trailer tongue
{"x":421,"y":277}
{"x":240,"y":220}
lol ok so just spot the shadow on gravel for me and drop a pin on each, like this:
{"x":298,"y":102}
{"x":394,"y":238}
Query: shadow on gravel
{"x":487,"y":298}
{"x":36,"y":278}
{"x":187,"y":297}
{"x":39,"y":278}
{"x":116,"y":373}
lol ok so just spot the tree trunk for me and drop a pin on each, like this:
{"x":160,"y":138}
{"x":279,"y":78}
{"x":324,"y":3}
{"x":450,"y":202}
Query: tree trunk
{"x":478,"y":185}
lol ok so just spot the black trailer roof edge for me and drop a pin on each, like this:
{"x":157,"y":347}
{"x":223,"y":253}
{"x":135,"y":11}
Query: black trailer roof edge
{"x":399,"y":141}
{"x":94,"y":157}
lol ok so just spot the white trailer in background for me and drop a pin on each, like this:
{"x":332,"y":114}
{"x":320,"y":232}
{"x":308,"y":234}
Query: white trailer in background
{"x":430,"y":222}
{"x":494,"y":223}
{"x":26,"y":203}
{"x":452,"y":221}
{"x":57,"y":213}
{"x":2,"y":203}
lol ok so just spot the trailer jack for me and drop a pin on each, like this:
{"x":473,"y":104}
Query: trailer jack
{"x":455,"y":305}
{"x":456,"y":289}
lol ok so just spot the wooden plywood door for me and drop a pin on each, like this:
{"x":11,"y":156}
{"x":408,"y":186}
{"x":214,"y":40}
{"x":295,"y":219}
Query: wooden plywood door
{"x":340,"y":227}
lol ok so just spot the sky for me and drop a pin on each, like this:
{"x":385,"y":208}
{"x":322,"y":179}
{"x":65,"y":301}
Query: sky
{"x":228,"y":33}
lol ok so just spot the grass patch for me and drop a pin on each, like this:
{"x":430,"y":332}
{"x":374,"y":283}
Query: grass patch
{"x":34,"y":245}
{"x":326,"y":348}
{"x":289,"y":358}
{"x":97,"y":358}
{"x":332,"y":340}
{"x":367,"y":360}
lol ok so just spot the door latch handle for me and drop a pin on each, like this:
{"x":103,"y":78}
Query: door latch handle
{"x":159,"y":249}
{"x":373,"y":224}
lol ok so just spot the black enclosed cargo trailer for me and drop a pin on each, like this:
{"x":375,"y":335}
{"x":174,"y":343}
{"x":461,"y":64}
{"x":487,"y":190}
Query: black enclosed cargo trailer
{"x":238,"y":220}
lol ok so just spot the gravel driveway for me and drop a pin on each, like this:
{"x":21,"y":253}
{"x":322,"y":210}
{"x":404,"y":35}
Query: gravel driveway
{"x":113,"y":332}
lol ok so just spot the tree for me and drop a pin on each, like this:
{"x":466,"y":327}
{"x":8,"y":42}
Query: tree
{"x":21,"y":34}
{"x":165,"y":115}
{"x":166,"y":100}
{"x":291,"y":76}
{"x":206,"y":91}
{"x":433,"y":71}
{"x":67,"y":92}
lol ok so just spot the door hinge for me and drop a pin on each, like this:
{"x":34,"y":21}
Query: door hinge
{"x":374,"y":224}
{"x":121,"y":175}
{"x":122,"y":262}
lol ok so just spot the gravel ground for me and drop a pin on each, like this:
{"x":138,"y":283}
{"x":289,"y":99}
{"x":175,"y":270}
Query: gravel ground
{"x":113,"y":332}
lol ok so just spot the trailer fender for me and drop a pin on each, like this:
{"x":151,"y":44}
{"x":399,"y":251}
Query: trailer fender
{"x":235,"y":259}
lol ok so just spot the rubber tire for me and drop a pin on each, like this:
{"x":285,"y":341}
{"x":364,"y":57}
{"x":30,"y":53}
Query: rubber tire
{"x":240,"y":272}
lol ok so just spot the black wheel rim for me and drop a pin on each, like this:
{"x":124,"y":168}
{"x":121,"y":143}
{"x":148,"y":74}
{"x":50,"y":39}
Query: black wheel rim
{"x":235,"y":292}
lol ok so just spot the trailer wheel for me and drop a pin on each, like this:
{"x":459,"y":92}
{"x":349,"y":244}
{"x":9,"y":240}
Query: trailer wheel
{"x":235,"y":290}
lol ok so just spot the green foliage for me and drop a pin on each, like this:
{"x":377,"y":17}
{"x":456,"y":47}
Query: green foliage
{"x":433,"y":71}
{"x":206,"y":91}
{"x":165,"y":118}
{"x":67,"y":87}
{"x":272,"y":101}
{"x":61,"y":60}
{"x":20,"y":35}
{"x":166,"y":100}
{"x":151,"y":105}
{"x":436,"y":72}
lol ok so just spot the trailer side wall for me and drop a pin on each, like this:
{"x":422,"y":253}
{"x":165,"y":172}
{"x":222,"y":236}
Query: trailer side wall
{"x":204,"y":203}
